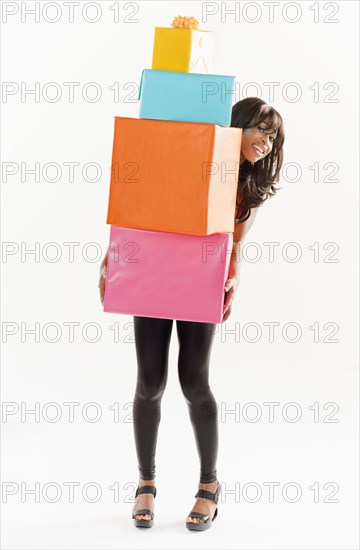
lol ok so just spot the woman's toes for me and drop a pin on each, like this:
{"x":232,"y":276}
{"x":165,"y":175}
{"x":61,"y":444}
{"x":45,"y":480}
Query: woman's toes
{"x":196,"y":520}
{"x":141,"y":516}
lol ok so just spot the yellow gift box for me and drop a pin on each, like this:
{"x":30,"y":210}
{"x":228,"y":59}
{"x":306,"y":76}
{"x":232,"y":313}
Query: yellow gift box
{"x":183,"y":50}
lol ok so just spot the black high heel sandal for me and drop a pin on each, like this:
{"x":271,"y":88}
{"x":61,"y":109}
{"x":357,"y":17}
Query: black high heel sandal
{"x":144,"y":522}
{"x":206,"y":524}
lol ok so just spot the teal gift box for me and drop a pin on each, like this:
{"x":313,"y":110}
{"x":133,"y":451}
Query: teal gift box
{"x":186,"y":97}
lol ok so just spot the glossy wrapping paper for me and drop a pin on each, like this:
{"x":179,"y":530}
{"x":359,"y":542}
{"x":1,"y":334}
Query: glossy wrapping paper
{"x":187,"y":97}
{"x":167,"y":275}
{"x":183,"y":50}
{"x":174,"y":176}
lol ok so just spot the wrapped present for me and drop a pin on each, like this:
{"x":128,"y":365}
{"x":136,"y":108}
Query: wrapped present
{"x":188,"y":97}
{"x":167,"y":275}
{"x":174,"y":176}
{"x":183,"y":49}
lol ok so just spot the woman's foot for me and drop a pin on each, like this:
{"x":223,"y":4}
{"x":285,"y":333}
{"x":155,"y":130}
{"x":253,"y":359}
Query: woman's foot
{"x":144,"y":500}
{"x":205,"y":506}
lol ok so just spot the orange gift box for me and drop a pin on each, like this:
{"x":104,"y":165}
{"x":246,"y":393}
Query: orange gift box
{"x":174,"y":176}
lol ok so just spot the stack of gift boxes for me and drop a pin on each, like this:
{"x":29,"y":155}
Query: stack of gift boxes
{"x":173,"y":186}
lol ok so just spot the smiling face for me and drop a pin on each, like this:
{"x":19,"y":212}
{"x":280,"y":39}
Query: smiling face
{"x":257,"y":142}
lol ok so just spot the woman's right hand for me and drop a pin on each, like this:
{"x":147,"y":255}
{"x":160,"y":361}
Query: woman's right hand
{"x":102,"y":277}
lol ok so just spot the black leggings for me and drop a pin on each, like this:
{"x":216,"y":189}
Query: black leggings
{"x":152,"y":341}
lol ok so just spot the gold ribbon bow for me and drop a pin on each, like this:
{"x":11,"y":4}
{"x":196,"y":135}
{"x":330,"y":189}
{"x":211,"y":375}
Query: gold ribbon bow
{"x":180,"y":22}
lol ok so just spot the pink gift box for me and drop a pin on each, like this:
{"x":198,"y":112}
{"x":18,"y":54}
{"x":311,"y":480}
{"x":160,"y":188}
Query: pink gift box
{"x":167,"y":275}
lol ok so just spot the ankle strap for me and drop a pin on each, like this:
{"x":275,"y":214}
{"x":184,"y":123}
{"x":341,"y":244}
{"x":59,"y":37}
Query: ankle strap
{"x":146,"y":489}
{"x":208,"y":495}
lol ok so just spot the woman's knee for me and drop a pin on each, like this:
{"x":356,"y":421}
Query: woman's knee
{"x":201,"y":399}
{"x":150,"y":390}
{"x":194,"y":388}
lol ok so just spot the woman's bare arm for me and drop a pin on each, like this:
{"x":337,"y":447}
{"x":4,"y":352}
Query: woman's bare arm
{"x":240,"y":231}
{"x":102,"y":277}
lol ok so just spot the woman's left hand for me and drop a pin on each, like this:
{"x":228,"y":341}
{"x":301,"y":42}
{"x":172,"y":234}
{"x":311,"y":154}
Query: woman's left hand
{"x":230,"y":289}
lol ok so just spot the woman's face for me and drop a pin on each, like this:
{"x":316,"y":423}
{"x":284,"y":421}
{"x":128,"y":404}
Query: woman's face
{"x":256,"y":143}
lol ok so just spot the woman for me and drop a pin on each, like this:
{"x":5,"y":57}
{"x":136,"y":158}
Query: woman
{"x":261,"y":159}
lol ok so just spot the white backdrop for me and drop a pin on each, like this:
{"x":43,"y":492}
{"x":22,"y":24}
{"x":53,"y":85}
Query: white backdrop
{"x":62,"y":353}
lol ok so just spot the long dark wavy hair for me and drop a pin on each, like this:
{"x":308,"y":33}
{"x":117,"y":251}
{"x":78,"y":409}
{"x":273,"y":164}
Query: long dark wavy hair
{"x":256,"y":181}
